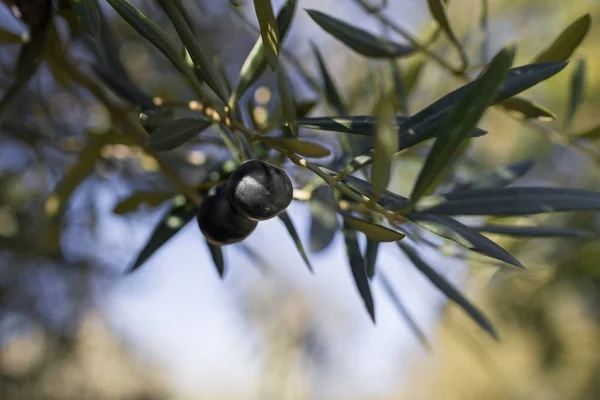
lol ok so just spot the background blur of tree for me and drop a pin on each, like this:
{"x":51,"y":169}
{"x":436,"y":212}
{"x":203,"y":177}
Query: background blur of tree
{"x":55,"y":342}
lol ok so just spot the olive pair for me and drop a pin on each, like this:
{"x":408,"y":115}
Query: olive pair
{"x":256,"y":191}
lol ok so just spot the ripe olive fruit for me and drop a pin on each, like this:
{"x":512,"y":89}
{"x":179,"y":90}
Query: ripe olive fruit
{"x":219,"y":222}
{"x":259,"y":190}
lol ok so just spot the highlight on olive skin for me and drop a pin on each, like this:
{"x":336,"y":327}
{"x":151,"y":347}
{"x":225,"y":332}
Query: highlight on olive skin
{"x":219,"y":222}
{"x":259,"y":190}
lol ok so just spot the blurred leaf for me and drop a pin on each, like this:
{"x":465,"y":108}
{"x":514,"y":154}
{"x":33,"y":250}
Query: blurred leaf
{"x":461,"y":234}
{"x":256,"y":62}
{"x":323,"y":221}
{"x":525,"y":109}
{"x":539,"y":231}
{"x":576,"y":93}
{"x":358,"y":39}
{"x":411,"y":77}
{"x":303,"y":148}
{"x":123,"y":87}
{"x":438,"y":11}
{"x":180,"y":213}
{"x":106,"y":50}
{"x":268,"y":30}
{"x":387,"y":287}
{"x":191,"y":44}
{"x":372,"y":231}
{"x":88,"y":15}
{"x":133,"y":202}
{"x":173,"y":134}
{"x":332,"y":95}
{"x":498,"y":177}
{"x":485,"y":31}
{"x":153,"y":118}
{"x":216,"y":254}
{"x":304,"y":108}
{"x":401,"y":101}
{"x":449,"y":290}
{"x":593,"y":133}
{"x":457,"y":127}
{"x":223,"y":75}
{"x":357,"y":266}
{"x":286,"y":97}
{"x":566,"y":43}
{"x":371,"y":257}
{"x":7,"y":37}
{"x":512,"y":201}
{"x":385,"y":144}
{"x":289,"y":225}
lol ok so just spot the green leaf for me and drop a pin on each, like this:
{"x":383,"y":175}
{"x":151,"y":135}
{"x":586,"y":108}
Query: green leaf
{"x":358,"y":39}
{"x":387,"y":287}
{"x":133,"y":202}
{"x":449,"y":290}
{"x":180,"y":213}
{"x":216,"y":253}
{"x":301,"y":147}
{"x":566,"y":43}
{"x":153,"y":118}
{"x":173,"y":134}
{"x":304,"y":108}
{"x":590,"y":134}
{"x":323,"y":222}
{"x":401,"y":101}
{"x":87,"y":12}
{"x":512,"y":201}
{"x":411,"y":77}
{"x":332,"y":95}
{"x":525,"y":109}
{"x":7,"y":37}
{"x":538,"y":231}
{"x":289,"y":225}
{"x":106,"y":50}
{"x":123,"y":87}
{"x":373,"y":231}
{"x":268,"y":30}
{"x":576,"y":93}
{"x":357,"y":267}
{"x":460,"y":123}
{"x":256,"y":62}
{"x":186,"y":35}
{"x":498,"y":177}
{"x":385,"y":144}
{"x":371,"y":257}
{"x":286,"y":97}
{"x":438,"y":11}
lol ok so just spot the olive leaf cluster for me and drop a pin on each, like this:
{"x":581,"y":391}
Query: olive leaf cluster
{"x":348,"y":190}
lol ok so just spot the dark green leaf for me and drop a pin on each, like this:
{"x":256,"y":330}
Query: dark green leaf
{"x":525,"y":109}
{"x":358,"y":39}
{"x":371,"y":230}
{"x":449,"y":290}
{"x":256,"y":62}
{"x":7,"y":37}
{"x":332,"y":95}
{"x":371,"y":257}
{"x":216,"y":253}
{"x":512,"y":201}
{"x":289,"y":225}
{"x":456,"y":128}
{"x":286,"y":97}
{"x":268,"y":30}
{"x":357,"y":266}
{"x":539,"y":231}
{"x":180,"y":213}
{"x":133,"y":202}
{"x":593,"y":133}
{"x":385,"y":144}
{"x":401,"y":101}
{"x":124,"y":87}
{"x":576,"y":93}
{"x":106,"y":49}
{"x":438,"y":11}
{"x":566,"y":43}
{"x":498,"y":177}
{"x":153,"y":118}
{"x":87,"y":12}
{"x":304,"y":108}
{"x":174,"y":134}
{"x":323,"y":222}
{"x":303,"y":148}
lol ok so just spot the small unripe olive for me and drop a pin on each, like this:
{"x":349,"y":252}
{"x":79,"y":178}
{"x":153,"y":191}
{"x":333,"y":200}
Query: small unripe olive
{"x":259,"y":190}
{"x":219,"y":222}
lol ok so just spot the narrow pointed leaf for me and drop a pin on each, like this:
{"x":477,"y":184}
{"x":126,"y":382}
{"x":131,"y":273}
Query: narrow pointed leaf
{"x":174,"y":134}
{"x":460,"y":123}
{"x":357,"y":267}
{"x":301,"y":147}
{"x":438,"y":11}
{"x":525,"y":109}
{"x":7,"y":37}
{"x":123,"y":87}
{"x":286,"y":97}
{"x":576,"y":93}
{"x":412,"y":75}
{"x":304,"y":108}
{"x":385,"y":144}
{"x":216,"y":253}
{"x":359,"y":40}
{"x":256,"y":62}
{"x":87,"y":12}
{"x":289,"y":225}
{"x":449,"y":290}
{"x":155,"y":117}
{"x":268,"y":30}
{"x":512,"y":201}
{"x":401,"y":101}
{"x":373,"y":231}
{"x":539,"y":231}
{"x":332,"y":95}
{"x":371,"y":257}
{"x":133,"y":202}
{"x":590,"y":134}
{"x":498,"y":177}
{"x":566,"y":43}
{"x":323,"y":221}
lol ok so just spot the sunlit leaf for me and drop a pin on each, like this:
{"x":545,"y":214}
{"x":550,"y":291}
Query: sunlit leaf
{"x":286,"y":97}
{"x":456,"y":128}
{"x":289,"y":225}
{"x":216,"y":253}
{"x":323,"y":222}
{"x":268,"y":30}
{"x":357,"y":267}
{"x":538,"y":231}
{"x":87,"y":13}
{"x":173,"y":134}
{"x":590,"y":134}
{"x":412,"y":75}
{"x":498,"y":177}
{"x":576,"y":93}
{"x":301,"y":147}
{"x":332,"y":95}
{"x":438,"y":11}
{"x":373,"y":231}
{"x":133,"y":202}
{"x":358,"y":39}
{"x":566,"y":43}
{"x":385,"y":144}
{"x":449,"y":290}
{"x":525,"y":109}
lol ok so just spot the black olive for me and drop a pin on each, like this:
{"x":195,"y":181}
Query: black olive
{"x":259,"y":190}
{"x":219,"y":222}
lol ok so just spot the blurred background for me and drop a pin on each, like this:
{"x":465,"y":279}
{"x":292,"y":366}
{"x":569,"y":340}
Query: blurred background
{"x":72,"y":326}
